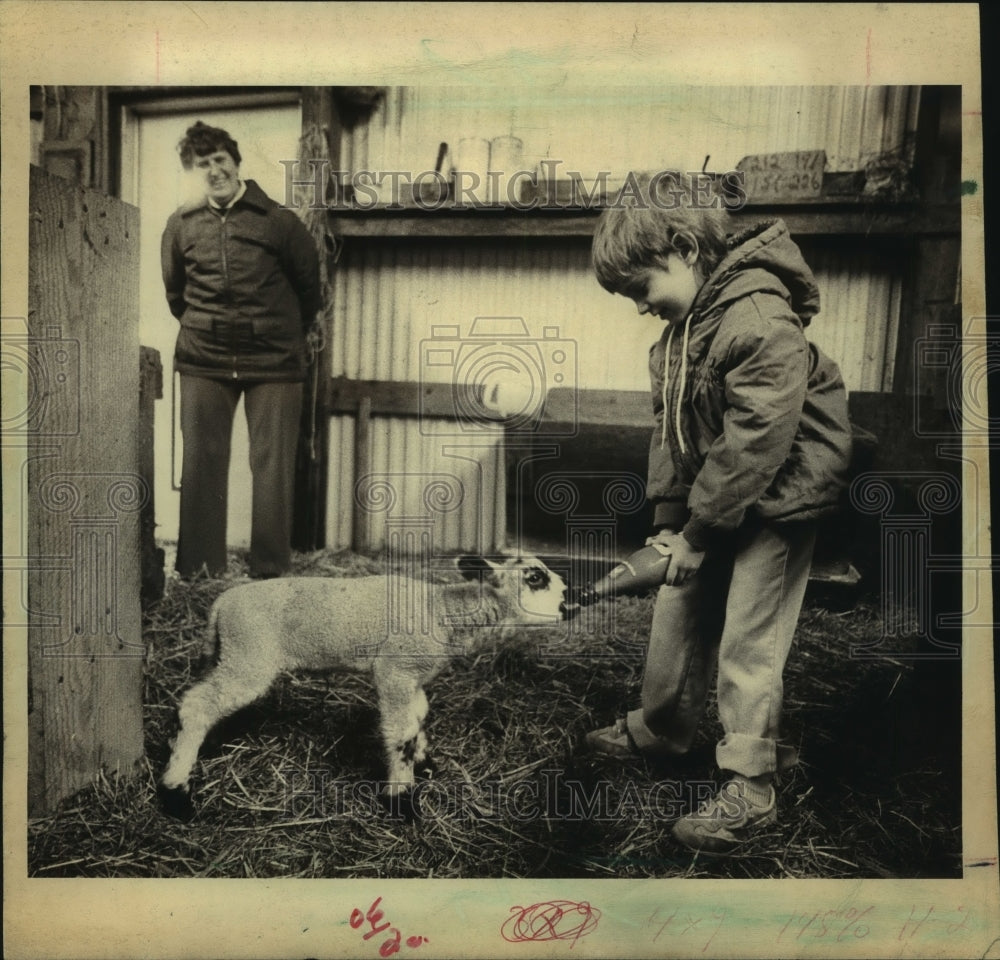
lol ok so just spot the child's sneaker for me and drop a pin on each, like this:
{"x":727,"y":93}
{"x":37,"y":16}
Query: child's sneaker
{"x":721,"y":824}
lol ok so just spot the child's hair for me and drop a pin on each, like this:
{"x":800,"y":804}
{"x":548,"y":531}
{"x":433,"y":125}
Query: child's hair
{"x":201,"y":140}
{"x":656,"y":215}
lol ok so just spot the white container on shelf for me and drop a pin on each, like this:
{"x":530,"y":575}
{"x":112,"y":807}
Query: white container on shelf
{"x":506,"y":159}
{"x":470,"y":169}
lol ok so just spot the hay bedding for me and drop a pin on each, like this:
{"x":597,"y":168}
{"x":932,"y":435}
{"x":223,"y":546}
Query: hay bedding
{"x":286,"y":788}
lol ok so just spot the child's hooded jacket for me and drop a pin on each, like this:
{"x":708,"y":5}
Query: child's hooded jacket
{"x":752,"y":418}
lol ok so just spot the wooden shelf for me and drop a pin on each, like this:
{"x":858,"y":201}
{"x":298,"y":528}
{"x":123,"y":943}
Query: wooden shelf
{"x":823,"y":217}
{"x":563,"y":405}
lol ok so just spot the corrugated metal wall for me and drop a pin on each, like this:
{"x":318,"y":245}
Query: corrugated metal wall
{"x":860,"y":294}
{"x":391,"y":298}
{"x":390,"y":295}
{"x":634,"y":128}
{"x":450,"y":494}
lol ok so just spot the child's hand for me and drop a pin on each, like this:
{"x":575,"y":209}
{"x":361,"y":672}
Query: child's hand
{"x":684,"y":559}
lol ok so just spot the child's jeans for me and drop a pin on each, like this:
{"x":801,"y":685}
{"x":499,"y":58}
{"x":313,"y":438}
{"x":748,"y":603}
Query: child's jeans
{"x":740,"y":610}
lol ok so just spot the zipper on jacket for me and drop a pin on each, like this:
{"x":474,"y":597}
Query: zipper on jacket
{"x":223,"y":238}
{"x":223,"y":241}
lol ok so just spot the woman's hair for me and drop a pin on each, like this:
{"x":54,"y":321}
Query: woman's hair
{"x":653,"y":216}
{"x":201,"y":140}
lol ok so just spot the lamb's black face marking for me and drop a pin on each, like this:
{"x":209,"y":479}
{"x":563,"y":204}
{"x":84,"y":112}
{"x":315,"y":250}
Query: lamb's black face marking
{"x":537,"y":578}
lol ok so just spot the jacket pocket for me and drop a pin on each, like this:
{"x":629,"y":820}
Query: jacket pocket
{"x":193,"y":320}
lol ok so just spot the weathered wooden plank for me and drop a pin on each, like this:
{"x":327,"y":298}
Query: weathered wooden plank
{"x":150,"y":390}
{"x":438,"y":400}
{"x":319,"y":119}
{"x":822,"y":218}
{"x":362,"y":467}
{"x":927,"y":349}
{"x":84,"y":489}
{"x":929,"y":327}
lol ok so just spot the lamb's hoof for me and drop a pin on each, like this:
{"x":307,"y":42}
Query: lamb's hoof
{"x":400,"y":805}
{"x":426,"y":769}
{"x":175,"y":802}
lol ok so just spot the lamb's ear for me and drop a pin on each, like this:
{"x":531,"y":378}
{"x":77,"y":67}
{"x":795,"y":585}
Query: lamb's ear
{"x":478,"y":568}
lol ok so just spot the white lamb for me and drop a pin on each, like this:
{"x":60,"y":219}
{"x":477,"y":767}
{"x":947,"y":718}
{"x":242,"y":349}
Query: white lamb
{"x":401,"y":630}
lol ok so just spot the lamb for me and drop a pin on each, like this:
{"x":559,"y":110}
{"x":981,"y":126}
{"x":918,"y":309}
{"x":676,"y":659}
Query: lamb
{"x":402,"y":631}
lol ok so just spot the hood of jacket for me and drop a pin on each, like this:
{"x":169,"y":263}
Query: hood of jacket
{"x":763,"y":259}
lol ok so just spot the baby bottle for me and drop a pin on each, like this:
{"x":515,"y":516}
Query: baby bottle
{"x":637,"y":573}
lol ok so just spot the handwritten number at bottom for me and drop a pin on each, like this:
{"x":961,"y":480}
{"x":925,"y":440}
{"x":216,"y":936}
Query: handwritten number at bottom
{"x":374,"y":915}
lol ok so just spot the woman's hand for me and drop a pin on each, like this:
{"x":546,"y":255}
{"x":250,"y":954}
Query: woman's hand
{"x":684,"y":559}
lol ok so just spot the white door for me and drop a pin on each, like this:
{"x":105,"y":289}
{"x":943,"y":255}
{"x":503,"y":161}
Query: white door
{"x":153,"y":179}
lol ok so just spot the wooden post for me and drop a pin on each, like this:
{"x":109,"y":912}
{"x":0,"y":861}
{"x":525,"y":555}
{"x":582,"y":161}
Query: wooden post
{"x":312,"y":467}
{"x":928,"y":311}
{"x":150,"y":390}
{"x":362,"y":465}
{"x":84,"y":490}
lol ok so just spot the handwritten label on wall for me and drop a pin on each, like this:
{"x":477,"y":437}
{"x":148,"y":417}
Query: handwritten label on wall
{"x":793,"y":175}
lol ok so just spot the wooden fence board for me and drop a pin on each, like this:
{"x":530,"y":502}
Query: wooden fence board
{"x":84,"y":489}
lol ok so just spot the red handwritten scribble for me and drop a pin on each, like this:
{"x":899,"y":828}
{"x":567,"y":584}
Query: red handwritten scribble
{"x":552,"y":920}
{"x":373,"y":916}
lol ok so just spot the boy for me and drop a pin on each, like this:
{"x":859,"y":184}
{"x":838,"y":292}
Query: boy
{"x":751,"y":445}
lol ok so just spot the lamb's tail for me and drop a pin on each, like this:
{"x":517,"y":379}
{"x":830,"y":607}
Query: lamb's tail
{"x":210,"y":641}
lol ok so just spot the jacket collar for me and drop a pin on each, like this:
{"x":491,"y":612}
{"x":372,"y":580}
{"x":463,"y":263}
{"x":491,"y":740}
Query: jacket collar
{"x":235,"y":199}
{"x":253,"y":196}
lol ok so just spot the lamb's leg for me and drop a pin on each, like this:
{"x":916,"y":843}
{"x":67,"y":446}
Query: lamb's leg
{"x":423,"y":766}
{"x":420,"y":708}
{"x":403,"y":706}
{"x":201,"y":708}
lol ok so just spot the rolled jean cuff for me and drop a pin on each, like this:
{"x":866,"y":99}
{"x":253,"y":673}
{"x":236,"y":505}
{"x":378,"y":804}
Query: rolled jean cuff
{"x":754,"y":756}
{"x":648,"y":742}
